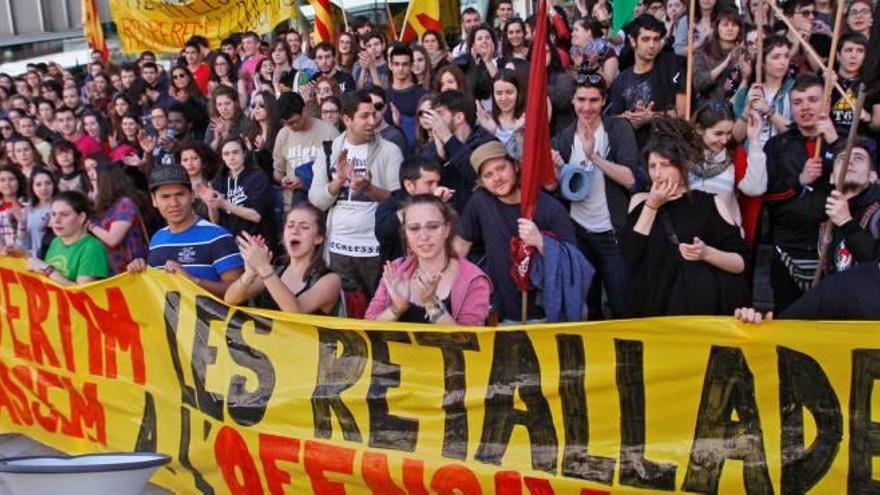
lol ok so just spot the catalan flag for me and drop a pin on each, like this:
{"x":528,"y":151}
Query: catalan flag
{"x":93,"y":30}
{"x":324,"y":27}
{"x":421,"y":16}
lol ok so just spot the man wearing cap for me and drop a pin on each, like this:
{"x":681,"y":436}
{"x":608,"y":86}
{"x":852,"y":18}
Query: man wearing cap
{"x":492,"y":218}
{"x":195,"y":248}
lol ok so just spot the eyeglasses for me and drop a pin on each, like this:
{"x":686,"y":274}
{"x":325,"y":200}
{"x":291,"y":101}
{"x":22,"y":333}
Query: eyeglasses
{"x":4,"y":128}
{"x":430,"y":228}
{"x":806,"y":12}
{"x":257,"y":104}
{"x":379,"y":106}
{"x":591,"y":78}
{"x":179,"y":75}
{"x":329,"y":111}
{"x":859,"y":13}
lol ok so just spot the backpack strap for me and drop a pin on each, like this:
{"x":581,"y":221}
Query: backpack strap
{"x":866,"y":220}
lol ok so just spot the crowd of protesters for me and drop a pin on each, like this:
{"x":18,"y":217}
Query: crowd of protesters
{"x":377,"y":179}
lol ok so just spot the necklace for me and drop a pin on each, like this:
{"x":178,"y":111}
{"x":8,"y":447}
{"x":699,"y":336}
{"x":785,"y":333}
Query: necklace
{"x":419,"y":269}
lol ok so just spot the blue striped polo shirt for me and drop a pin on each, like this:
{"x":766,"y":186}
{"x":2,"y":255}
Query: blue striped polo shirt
{"x":205,"y":250}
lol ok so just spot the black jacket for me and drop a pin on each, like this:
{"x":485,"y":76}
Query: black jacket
{"x":622,"y":151}
{"x":795,"y":211}
{"x":852,"y":238}
{"x":458,"y":174}
{"x":387,"y":227}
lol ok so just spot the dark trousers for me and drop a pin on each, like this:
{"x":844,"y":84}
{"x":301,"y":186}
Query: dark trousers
{"x":612,"y":273}
{"x":785,"y":290}
{"x":357,"y":274}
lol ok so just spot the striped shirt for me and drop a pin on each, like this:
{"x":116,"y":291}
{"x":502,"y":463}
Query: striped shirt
{"x":205,"y":250}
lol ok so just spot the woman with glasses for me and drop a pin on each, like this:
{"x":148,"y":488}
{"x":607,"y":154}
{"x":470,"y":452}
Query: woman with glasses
{"x":225,"y":73}
{"x":265,"y":123}
{"x":227,"y":118}
{"x":183,"y":88}
{"x":860,"y":17}
{"x":6,"y":129}
{"x":331,"y":109}
{"x":431,"y":284}
{"x":686,"y":255}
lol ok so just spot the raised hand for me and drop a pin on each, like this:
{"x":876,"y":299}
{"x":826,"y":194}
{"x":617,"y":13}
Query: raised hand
{"x":663,"y":192}
{"x":398,"y":288}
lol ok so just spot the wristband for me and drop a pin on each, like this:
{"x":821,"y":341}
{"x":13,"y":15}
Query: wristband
{"x":649,"y":206}
{"x":48,"y":271}
{"x":267,"y":277}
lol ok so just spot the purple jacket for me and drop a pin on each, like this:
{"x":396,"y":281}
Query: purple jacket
{"x":470,"y":292}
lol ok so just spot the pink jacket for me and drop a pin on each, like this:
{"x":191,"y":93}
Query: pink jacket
{"x":470,"y":293}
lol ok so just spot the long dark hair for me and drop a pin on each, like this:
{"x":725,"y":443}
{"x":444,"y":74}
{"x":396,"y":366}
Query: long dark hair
{"x":509,"y":77}
{"x":506,"y":47}
{"x":713,"y":45}
{"x":209,"y":158}
{"x":191,"y":89}
{"x":113,"y":185}
{"x":233,"y":69}
{"x":21,"y":193}
{"x":232,"y":95}
{"x":317,"y":266}
{"x":676,"y":140}
{"x":246,"y":158}
{"x":711,"y":113}
{"x":273,"y":121}
{"x":32,"y":198}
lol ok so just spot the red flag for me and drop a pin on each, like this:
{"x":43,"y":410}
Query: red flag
{"x":537,"y":163}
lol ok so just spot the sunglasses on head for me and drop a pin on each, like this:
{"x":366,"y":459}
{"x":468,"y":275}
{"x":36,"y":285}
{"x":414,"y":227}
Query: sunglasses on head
{"x":589,"y":78}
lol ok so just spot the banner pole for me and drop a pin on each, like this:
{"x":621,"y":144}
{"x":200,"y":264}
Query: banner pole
{"x":840,"y":181}
{"x":829,"y":73}
{"x":690,"y":60}
{"x":759,"y":46}
{"x":524,"y":311}
{"x":405,"y":19}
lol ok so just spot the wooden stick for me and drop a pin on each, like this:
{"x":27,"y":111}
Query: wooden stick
{"x":808,"y":49}
{"x":524,"y":312}
{"x":840,"y":181}
{"x":829,"y":74}
{"x":391,"y":20}
{"x":759,"y":46}
{"x":690,"y":60}
{"x":344,"y":16}
{"x":405,"y":19}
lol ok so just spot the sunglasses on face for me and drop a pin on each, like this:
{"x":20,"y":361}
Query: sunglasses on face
{"x":257,"y":104}
{"x":379,"y":106}
{"x":806,"y":13}
{"x":179,"y":75}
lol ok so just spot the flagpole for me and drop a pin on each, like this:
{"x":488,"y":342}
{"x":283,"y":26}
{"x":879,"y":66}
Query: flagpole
{"x":829,"y":74}
{"x":344,"y":16}
{"x":690,"y":60}
{"x":759,"y":46}
{"x":405,"y":19}
{"x":391,"y":19}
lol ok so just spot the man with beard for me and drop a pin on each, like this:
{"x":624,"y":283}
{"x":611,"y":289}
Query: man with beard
{"x":854,"y":211}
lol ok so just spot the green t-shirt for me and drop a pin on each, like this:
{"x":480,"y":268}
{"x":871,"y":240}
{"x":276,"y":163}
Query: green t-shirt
{"x":86,"y":257}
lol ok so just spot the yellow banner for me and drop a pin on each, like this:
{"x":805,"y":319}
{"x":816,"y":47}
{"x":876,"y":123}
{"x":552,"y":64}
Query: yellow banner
{"x":251,"y":402}
{"x":163,"y":26}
